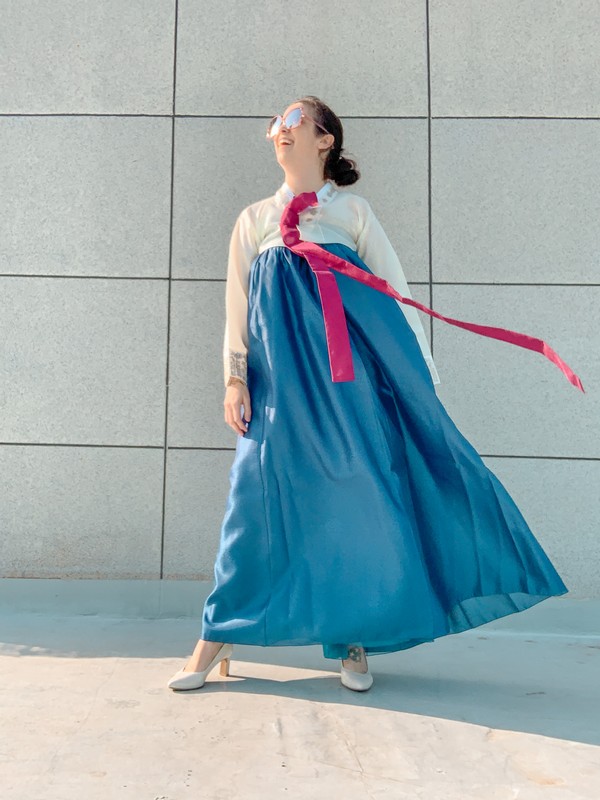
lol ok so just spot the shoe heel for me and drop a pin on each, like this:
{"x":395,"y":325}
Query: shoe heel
{"x":224,"y":669}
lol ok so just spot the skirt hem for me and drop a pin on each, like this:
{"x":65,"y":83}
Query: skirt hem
{"x":466,"y":615}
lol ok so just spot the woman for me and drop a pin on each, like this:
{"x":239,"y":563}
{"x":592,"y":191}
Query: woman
{"x":358,"y":516}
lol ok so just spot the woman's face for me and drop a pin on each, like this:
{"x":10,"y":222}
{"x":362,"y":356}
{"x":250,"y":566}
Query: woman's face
{"x":300,"y":146}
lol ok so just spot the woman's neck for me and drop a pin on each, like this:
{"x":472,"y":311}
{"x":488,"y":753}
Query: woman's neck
{"x":304,"y":183}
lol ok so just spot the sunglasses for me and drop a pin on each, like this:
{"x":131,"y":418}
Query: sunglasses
{"x":292,"y":119}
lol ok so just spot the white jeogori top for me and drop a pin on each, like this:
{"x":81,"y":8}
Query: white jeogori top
{"x":342,"y":217}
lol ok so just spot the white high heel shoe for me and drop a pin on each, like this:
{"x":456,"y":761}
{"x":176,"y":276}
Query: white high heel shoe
{"x":359,"y":681}
{"x":194,"y":680}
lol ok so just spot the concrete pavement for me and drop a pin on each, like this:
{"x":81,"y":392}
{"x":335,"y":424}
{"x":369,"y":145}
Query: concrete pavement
{"x":507,"y":710}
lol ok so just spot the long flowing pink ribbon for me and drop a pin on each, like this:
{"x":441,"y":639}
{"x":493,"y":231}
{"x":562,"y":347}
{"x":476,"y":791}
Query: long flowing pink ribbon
{"x":322,"y":262}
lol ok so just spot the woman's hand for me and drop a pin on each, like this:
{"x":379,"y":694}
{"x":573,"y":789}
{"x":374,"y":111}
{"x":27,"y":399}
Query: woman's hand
{"x":236,"y":395}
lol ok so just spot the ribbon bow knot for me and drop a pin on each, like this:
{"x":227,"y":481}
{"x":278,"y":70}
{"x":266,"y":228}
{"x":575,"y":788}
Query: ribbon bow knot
{"x":321,"y":261}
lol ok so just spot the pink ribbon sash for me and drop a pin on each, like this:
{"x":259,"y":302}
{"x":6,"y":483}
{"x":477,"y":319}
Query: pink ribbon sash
{"x":322,"y":262}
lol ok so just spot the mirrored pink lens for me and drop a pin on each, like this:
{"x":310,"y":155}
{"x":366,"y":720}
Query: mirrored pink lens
{"x":291,"y":121}
{"x":293,"y":118}
{"x":274,"y":126}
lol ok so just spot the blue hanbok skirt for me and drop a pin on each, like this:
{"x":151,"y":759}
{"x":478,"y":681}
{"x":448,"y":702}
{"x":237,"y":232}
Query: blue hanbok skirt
{"x":357,"y":511}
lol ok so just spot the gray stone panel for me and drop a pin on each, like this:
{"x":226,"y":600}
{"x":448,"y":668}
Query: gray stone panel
{"x":85,"y":196}
{"x":238,"y":58}
{"x":221,"y":166}
{"x":514,"y":58}
{"x":509,"y":400}
{"x":392,"y":157}
{"x":561,"y":504}
{"x":196,"y":385}
{"x":84,"y":361}
{"x":80,"y":512}
{"x":515,"y":201}
{"x":87,"y":58}
{"x":197,"y":489}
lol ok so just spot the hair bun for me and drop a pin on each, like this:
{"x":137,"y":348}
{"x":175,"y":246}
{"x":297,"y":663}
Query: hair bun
{"x":338,"y":166}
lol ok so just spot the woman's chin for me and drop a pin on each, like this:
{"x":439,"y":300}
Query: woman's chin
{"x":284,"y":156}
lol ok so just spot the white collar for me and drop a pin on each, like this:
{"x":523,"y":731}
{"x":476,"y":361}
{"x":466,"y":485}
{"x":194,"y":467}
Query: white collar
{"x":284,"y":194}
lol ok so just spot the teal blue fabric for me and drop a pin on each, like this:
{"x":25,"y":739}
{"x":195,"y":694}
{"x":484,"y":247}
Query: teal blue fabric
{"x":357,"y":512}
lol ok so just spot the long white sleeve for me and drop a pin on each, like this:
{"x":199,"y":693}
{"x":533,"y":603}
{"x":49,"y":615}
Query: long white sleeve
{"x":375,"y":249}
{"x":243,"y":247}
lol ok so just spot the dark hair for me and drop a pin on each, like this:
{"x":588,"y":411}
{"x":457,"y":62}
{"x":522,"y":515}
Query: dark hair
{"x":339,"y":168}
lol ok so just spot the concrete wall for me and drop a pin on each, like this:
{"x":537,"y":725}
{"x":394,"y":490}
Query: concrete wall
{"x":131,"y":136}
